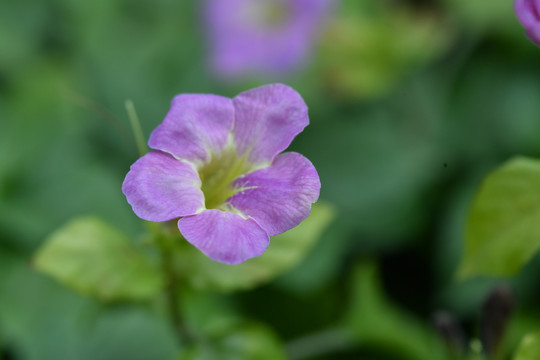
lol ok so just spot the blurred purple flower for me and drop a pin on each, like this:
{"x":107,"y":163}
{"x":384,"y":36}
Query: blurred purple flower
{"x":217,"y":166}
{"x":528,"y":13}
{"x":262,"y":36}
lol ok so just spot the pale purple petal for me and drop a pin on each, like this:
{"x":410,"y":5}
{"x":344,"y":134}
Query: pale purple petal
{"x":195,"y":126}
{"x":224,"y":236}
{"x":534,"y":35}
{"x":528,"y":13}
{"x":242,"y":44}
{"x":278,"y":197}
{"x":267,"y":119}
{"x":160,"y":188}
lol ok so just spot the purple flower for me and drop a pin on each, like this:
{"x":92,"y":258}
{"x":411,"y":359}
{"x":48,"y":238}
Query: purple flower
{"x":263,"y":36}
{"x":217,"y":166}
{"x":528,"y":13}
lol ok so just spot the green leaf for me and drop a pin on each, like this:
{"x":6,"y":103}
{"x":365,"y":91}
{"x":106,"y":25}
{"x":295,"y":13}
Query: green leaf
{"x":363,"y":58}
{"x":376,"y":323}
{"x":240,"y":341}
{"x":482,"y":13}
{"x":95,"y":259}
{"x":285,"y":251}
{"x":83,"y":328}
{"x":529,"y":349}
{"x":503,"y":229}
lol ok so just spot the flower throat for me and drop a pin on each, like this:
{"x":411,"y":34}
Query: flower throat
{"x":218,"y":174}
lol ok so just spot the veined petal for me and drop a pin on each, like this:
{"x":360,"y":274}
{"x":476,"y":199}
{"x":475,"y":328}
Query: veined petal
{"x":224,"y":236}
{"x":196,"y":126}
{"x":160,"y":188}
{"x":278,"y":197}
{"x":267,"y":119}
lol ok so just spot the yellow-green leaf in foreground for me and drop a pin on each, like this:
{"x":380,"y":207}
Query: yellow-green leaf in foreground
{"x":529,"y":349}
{"x":93,"y":258}
{"x":285,"y":251}
{"x":503,"y":229}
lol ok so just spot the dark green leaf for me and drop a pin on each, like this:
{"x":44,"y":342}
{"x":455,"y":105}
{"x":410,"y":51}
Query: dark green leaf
{"x":40,"y":319}
{"x":242,"y":341}
{"x":375,"y":322}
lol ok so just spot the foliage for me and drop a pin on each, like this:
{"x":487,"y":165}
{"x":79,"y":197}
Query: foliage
{"x":242,"y":341}
{"x":409,"y":112}
{"x":361,"y":55}
{"x":529,"y":349}
{"x":502,"y":231}
{"x":285,"y":251}
{"x":374,"y":321}
{"x":95,"y":259}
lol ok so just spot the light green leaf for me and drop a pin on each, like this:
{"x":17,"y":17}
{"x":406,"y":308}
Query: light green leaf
{"x":529,"y":349}
{"x":503,"y":229}
{"x":285,"y":251}
{"x":374,"y":322}
{"x":482,"y":13}
{"x":242,"y":341}
{"x":91,"y":257}
{"x":362,"y":53}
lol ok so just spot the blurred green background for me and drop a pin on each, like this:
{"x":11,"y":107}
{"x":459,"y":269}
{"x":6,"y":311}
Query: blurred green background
{"x":411,"y":104}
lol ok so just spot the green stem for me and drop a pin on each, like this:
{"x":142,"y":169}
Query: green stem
{"x":172,"y":290}
{"x":99,"y":110}
{"x":136,"y":127}
{"x":173,"y":302}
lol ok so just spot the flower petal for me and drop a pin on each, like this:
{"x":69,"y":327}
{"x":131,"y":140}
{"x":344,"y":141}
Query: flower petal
{"x":224,"y":236}
{"x":160,"y":188}
{"x":534,"y":34}
{"x":278,"y":197}
{"x":245,"y":40}
{"x":528,"y":12}
{"x":267,"y":119}
{"x":195,"y":126}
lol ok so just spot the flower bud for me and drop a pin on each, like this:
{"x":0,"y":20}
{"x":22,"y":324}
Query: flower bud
{"x":496,"y":312}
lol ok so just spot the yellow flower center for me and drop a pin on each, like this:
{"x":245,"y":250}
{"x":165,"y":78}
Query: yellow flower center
{"x":218,"y":174}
